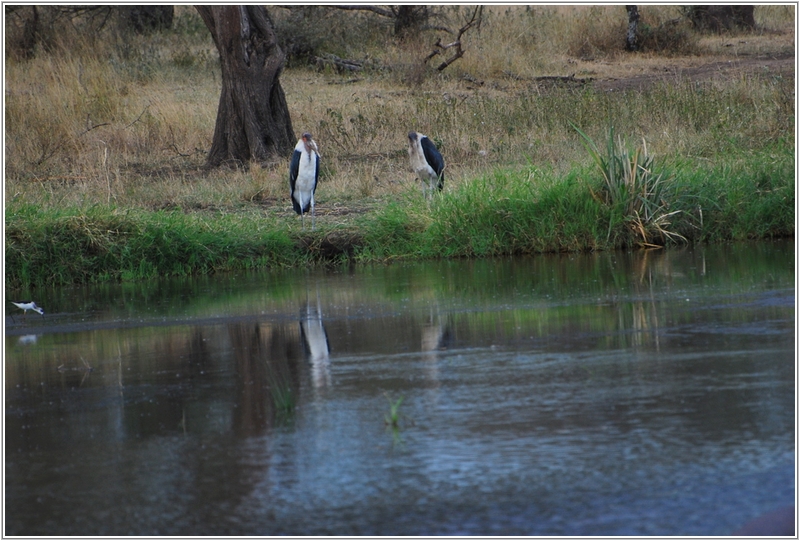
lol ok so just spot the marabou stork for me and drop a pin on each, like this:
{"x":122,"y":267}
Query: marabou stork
{"x":426,"y":161}
{"x":28,"y":305}
{"x":303,"y":176}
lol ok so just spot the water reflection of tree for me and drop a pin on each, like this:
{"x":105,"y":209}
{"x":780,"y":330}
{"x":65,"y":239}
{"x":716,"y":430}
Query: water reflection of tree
{"x":267,"y":379}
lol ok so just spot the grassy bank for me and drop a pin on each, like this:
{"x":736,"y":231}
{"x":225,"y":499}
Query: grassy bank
{"x":510,"y":211}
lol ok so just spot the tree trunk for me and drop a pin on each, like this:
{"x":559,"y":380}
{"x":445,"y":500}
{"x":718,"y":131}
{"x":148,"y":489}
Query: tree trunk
{"x":633,"y":26}
{"x":408,"y":18}
{"x":253,"y":122}
{"x":718,"y":18}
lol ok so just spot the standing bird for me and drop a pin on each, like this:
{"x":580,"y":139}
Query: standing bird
{"x":303,"y":176}
{"x":28,"y":305}
{"x":426,"y":161}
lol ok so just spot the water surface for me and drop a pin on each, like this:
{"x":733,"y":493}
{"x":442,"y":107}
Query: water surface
{"x":603,"y":394}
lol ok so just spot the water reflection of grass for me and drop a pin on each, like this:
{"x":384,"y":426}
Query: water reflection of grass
{"x":509,"y":300}
{"x":283,"y":403}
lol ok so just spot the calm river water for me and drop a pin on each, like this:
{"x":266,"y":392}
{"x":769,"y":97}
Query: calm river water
{"x":604,"y":394}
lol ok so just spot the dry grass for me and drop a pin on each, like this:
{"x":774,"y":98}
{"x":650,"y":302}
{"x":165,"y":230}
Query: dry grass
{"x":128,"y":120}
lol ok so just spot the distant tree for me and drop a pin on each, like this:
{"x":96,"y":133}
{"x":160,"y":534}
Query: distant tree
{"x":253,"y":122}
{"x":633,"y":27}
{"x":408,"y":18}
{"x":717,"y":18}
{"x":30,"y":27}
{"x":148,"y":18}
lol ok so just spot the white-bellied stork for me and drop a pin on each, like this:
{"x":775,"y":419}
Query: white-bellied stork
{"x":28,"y":305}
{"x":303,"y":176}
{"x":426,"y":161}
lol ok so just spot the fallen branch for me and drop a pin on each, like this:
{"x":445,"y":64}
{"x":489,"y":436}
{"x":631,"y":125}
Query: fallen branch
{"x":373,"y":9}
{"x":90,"y":126}
{"x":339,"y":64}
{"x":139,"y":117}
{"x":562,"y":79}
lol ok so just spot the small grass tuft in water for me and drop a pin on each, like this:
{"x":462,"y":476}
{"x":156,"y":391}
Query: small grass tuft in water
{"x":392,"y":419}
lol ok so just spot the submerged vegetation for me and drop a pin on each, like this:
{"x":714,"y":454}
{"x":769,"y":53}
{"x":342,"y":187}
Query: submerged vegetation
{"x":106,"y":141}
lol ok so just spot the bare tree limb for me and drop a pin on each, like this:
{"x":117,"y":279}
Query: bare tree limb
{"x":475,"y":20}
{"x":374,"y":9}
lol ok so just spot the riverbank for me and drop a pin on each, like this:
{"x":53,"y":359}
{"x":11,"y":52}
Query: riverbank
{"x":107,"y":134}
{"x":521,"y":210}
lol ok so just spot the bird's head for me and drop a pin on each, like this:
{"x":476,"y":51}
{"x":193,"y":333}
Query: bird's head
{"x":311,"y":145}
{"x":412,"y":136}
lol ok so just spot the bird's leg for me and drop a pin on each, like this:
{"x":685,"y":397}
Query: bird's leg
{"x":313,"y":215}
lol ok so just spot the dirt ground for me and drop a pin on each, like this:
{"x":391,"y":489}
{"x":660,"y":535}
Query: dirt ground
{"x":772,"y":66}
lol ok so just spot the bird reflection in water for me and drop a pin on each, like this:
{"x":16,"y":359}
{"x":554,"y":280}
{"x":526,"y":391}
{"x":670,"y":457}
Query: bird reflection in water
{"x":436,"y":337}
{"x":315,"y":343}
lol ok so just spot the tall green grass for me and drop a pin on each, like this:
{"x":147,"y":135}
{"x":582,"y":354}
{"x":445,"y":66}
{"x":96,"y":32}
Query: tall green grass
{"x":105,"y":243}
{"x":531,"y":210}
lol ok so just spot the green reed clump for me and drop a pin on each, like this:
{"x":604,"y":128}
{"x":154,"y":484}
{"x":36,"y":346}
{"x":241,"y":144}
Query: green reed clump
{"x":634,"y":189}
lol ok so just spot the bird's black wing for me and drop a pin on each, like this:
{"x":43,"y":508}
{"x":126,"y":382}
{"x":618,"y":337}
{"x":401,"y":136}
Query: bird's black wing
{"x":294,"y":169}
{"x":434,"y":159}
{"x":316,"y":174}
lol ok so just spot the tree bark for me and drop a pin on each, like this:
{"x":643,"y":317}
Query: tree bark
{"x":408,"y":18}
{"x":253,"y":122}
{"x":633,"y":27}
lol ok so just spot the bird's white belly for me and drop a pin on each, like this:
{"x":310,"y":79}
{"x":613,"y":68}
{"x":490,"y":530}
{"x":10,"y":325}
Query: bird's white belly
{"x":422,"y":169}
{"x":427,"y":172}
{"x":303,"y":186}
